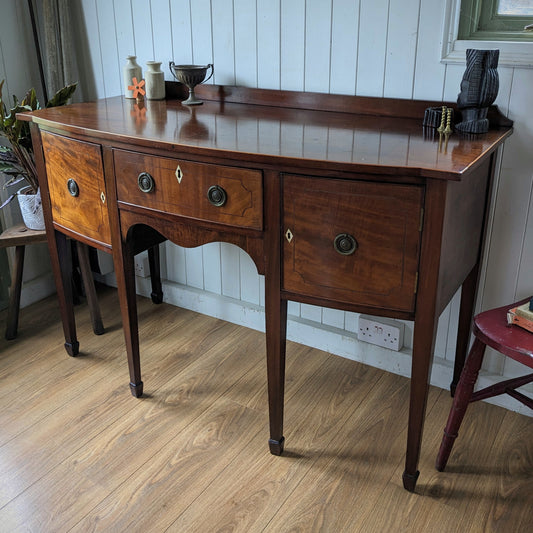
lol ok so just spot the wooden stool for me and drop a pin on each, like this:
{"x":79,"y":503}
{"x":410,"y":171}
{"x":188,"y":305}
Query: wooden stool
{"x":490,"y":329}
{"x":20,"y":236}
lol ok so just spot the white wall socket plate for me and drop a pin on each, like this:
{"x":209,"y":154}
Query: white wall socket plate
{"x":381,"y":331}
{"x":142,"y":266}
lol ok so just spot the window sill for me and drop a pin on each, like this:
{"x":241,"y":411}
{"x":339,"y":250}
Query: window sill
{"x":512,"y":54}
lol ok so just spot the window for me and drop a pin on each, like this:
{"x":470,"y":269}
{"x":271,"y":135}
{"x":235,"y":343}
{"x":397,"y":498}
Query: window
{"x":496,"y":20}
{"x":489,"y":24}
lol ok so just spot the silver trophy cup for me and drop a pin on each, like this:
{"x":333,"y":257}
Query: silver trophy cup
{"x":190,"y":75}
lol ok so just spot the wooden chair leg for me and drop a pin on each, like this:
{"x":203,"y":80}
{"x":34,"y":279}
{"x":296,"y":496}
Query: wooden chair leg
{"x":463,"y":393}
{"x":14,"y":297}
{"x":155,"y":274}
{"x":90,"y":291}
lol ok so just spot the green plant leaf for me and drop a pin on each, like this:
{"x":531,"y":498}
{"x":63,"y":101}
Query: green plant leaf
{"x":8,"y":200}
{"x":13,"y":126}
{"x":30,"y":100}
{"x":10,"y":170}
{"x":62,"y":96}
{"x":18,"y":178}
{"x":2,"y":105}
{"x":7,"y":167}
{"x":6,"y":154}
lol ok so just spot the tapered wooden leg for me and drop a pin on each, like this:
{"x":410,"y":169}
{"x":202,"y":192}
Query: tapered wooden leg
{"x":90,"y":291}
{"x":62,"y":266}
{"x":461,"y":400}
{"x":466,"y":312}
{"x":155,"y":274}
{"x":423,"y":344}
{"x":276,"y":326}
{"x":276,"y":316}
{"x":14,"y":296}
{"x":125,"y":273}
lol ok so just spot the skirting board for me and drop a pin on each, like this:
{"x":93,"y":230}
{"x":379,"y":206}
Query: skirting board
{"x":37,"y":289}
{"x":309,"y":333}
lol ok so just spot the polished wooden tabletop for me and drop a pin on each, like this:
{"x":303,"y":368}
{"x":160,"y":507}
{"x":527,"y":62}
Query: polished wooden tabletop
{"x":336,"y":140}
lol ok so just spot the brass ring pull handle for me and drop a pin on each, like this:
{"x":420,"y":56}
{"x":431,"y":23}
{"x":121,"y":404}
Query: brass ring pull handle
{"x":73,"y":188}
{"x":345,"y":244}
{"x":146,"y":182}
{"x":217,"y":195}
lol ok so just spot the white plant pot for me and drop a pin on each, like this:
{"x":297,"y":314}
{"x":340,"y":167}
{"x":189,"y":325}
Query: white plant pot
{"x":31,"y":209}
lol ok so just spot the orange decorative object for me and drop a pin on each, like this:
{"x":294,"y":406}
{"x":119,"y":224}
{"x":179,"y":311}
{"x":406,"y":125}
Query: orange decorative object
{"x":137,"y":87}
{"x":138,"y":113}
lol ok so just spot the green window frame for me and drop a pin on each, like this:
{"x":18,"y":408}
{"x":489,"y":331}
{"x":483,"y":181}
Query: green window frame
{"x":479,"y":20}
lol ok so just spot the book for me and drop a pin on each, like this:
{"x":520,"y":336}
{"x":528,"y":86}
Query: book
{"x":518,"y":318}
{"x":525,"y":310}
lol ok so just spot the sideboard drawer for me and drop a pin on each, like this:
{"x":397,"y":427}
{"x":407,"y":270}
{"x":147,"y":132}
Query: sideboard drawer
{"x":214,"y":193}
{"x":76,"y":183}
{"x":352,"y":241}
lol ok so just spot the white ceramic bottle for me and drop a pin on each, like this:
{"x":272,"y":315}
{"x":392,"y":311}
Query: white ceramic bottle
{"x":155,"y":81}
{"x":131,"y":70}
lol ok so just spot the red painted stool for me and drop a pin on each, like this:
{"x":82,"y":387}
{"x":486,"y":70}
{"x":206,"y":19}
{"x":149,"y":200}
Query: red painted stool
{"x":490,"y":329}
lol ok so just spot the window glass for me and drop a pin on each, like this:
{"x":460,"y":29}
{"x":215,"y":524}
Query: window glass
{"x":515,"y":7}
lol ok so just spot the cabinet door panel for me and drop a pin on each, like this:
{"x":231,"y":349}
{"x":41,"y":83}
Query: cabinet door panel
{"x":79,"y":207}
{"x":383,"y":220}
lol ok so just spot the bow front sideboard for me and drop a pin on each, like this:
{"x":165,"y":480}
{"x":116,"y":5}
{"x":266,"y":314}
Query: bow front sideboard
{"x":341,"y":201}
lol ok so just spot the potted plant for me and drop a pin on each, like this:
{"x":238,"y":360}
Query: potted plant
{"x":17,"y":160}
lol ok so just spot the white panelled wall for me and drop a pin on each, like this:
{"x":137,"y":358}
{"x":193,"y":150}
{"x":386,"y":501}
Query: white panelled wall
{"x":389,"y":48}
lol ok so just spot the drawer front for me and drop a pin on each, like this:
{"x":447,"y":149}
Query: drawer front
{"x":352,"y":241}
{"x":214,"y":193}
{"x":76,"y":183}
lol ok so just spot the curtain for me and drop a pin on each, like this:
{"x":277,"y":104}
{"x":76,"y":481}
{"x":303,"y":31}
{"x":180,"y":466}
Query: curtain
{"x":58,"y":48}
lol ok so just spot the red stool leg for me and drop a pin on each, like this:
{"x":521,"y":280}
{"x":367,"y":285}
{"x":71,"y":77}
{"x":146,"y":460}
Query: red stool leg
{"x":464,"y":390}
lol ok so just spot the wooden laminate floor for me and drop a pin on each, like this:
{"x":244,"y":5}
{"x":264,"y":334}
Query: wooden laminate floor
{"x":79,"y":453}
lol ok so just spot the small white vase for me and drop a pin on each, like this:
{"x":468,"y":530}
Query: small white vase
{"x":155,"y":81}
{"x":31,"y":209}
{"x":131,"y":70}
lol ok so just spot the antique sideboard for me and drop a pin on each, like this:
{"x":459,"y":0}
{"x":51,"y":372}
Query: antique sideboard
{"x":341,"y":201}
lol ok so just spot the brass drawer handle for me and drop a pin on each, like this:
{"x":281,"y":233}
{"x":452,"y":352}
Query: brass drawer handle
{"x":345,"y":244}
{"x":146,"y":182}
{"x":217,"y":195}
{"x":73,"y":188}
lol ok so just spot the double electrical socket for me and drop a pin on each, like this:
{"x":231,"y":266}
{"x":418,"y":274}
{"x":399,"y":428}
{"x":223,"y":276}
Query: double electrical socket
{"x":382,"y":332}
{"x":142,"y":267}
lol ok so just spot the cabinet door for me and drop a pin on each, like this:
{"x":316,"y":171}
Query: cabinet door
{"x":76,"y":183}
{"x":352,"y":241}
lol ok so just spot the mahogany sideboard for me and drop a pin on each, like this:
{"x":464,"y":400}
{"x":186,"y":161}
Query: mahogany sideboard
{"x":341,"y":201}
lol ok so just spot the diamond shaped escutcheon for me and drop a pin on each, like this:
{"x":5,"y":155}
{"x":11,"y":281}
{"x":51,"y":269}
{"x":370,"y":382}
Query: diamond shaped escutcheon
{"x":179,"y":174}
